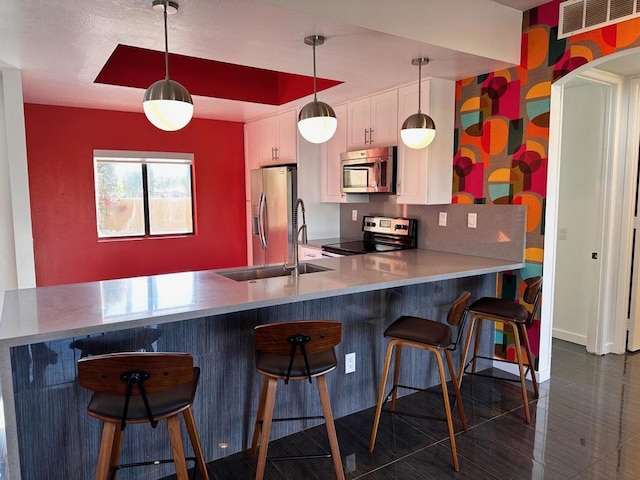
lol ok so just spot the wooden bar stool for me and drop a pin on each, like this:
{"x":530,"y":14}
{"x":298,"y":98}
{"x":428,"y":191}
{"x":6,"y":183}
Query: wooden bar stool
{"x":294,"y":351}
{"x":433,"y":337}
{"x":142,"y":387}
{"x":518,"y":317}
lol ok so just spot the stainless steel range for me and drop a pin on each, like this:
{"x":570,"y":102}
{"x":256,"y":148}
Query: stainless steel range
{"x":381,"y":234}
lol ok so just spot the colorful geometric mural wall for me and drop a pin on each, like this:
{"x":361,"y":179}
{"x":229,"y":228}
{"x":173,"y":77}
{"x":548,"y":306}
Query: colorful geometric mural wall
{"x":502,"y":131}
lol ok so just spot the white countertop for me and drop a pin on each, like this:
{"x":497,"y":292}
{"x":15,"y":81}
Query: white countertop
{"x":48,"y":313}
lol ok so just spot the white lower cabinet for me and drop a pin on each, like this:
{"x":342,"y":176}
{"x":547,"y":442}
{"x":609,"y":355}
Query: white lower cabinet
{"x":425,"y":176}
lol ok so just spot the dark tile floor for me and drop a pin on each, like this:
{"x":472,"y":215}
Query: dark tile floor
{"x":585,"y":426}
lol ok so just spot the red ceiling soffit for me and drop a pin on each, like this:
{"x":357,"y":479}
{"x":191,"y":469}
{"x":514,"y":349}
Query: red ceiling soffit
{"x":139,"y":67}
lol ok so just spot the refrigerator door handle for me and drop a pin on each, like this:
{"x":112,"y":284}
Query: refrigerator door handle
{"x":262,"y":219}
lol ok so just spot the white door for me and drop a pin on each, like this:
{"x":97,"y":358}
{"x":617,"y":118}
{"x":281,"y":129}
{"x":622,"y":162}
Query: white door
{"x":633,"y":338}
{"x":579,"y":245}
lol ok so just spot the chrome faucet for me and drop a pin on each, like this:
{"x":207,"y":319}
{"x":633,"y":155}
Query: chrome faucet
{"x":294,"y":265}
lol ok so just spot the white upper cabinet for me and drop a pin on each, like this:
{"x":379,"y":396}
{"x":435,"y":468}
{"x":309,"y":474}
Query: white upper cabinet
{"x":425,"y":175}
{"x":330,"y":174}
{"x":278,"y":137}
{"x":251,"y":153}
{"x":373,"y":121}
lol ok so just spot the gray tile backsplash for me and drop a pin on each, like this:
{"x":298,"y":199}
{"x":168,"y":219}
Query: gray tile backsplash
{"x":500,"y":231}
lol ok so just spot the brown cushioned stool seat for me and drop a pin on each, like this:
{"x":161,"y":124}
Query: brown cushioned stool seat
{"x":302,"y":350}
{"x":498,"y":307}
{"x":517,"y":317}
{"x":142,"y":387}
{"x":420,"y":330}
{"x":278,"y":365}
{"x":161,"y":404}
{"x":432,"y":336}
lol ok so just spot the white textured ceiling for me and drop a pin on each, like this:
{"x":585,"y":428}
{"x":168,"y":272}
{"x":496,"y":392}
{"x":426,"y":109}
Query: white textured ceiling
{"x":61,"y":45}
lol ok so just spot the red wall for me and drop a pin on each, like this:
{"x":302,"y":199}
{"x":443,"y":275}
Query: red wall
{"x":60,"y":144}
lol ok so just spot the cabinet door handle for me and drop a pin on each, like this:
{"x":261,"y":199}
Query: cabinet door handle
{"x":272,"y":155}
{"x":371,"y":135}
{"x":276,"y":156}
{"x":365,"y":135}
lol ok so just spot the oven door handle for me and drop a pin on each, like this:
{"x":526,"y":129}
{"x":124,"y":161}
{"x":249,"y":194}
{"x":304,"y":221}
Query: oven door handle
{"x":262,"y":210}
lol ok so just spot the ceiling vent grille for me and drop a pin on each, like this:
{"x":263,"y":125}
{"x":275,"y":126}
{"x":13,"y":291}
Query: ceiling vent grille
{"x":578,"y":16}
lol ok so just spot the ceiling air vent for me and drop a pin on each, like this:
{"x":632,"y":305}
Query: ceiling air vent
{"x":578,"y":16}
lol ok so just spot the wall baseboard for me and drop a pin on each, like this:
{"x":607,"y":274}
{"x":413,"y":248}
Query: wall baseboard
{"x":570,"y":337}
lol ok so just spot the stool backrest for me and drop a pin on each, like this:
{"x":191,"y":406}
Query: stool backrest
{"x":532,"y":294}
{"x":457,"y":315}
{"x":458,"y":308}
{"x":275,"y":338}
{"x":159,"y":371}
{"x":300,"y":338}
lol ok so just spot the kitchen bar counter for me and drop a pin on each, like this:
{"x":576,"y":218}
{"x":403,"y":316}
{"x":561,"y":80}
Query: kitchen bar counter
{"x":48,"y":313}
{"x":44,"y":331}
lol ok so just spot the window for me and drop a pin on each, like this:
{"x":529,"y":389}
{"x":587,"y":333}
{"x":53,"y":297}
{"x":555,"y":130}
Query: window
{"x":142,"y":194}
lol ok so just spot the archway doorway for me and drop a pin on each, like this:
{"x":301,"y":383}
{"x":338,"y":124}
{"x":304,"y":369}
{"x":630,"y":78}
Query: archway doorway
{"x":606,"y":331}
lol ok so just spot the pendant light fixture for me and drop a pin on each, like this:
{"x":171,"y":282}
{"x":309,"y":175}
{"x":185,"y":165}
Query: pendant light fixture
{"x":167,"y":104}
{"x":317,"y":121}
{"x":418,"y":130}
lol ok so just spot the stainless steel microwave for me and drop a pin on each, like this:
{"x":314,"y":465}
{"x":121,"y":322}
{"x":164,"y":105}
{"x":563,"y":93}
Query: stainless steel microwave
{"x":369,"y":171}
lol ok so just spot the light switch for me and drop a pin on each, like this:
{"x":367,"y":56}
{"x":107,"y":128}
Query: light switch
{"x":354,"y":215}
{"x":562,"y":233}
{"x":472,"y":220}
{"x":442,"y":219}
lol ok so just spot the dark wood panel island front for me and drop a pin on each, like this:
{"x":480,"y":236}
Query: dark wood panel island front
{"x":44,"y":331}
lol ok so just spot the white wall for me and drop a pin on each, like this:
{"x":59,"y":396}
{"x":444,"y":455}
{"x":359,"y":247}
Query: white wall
{"x":16,"y":240}
{"x":323,"y":219}
{"x":579,"y":218}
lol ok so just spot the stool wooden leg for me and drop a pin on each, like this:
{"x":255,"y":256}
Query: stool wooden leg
{"x":259,"y":415}
{"x":110,"y":440}
{"x":195,"y":443}
{"x":177,"y":450}
{"x":476,"y":347}
{"x":530,"y":362}
{"x":456,"y":388}
{"x":270,"y":397}
{"x":523,"y":379}
{"x":447,"y":409}
{"x":115,"y":452}
{"x":383,"y":384}
{"x":331,"y":428}
{"x":396,"y":376}
{"x":465,"y":351}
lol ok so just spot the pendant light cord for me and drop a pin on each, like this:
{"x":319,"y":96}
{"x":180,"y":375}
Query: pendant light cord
{"x":166,"y":43}
{"x":315,"y":97}
{"x":419,"y":86}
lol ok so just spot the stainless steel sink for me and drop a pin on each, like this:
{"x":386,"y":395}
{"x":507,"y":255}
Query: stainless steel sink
{"x":257,"y":273}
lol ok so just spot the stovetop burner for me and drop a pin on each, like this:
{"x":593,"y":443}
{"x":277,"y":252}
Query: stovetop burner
{"x":381,"y":234}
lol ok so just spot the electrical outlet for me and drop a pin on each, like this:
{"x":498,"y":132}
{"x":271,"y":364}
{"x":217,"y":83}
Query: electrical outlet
{"x":354,"y":215}
{"x":350,"y":362}
{"x":442,"y":219}
{"x":472,"y":220}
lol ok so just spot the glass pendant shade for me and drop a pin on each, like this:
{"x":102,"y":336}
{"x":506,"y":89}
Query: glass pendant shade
{"x":317,"y":122}
{"x":168,"y":105}
{"x":418,"y":131}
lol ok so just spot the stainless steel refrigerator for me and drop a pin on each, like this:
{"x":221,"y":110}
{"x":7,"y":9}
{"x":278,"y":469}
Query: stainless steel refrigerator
{"x":273,"y":196}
